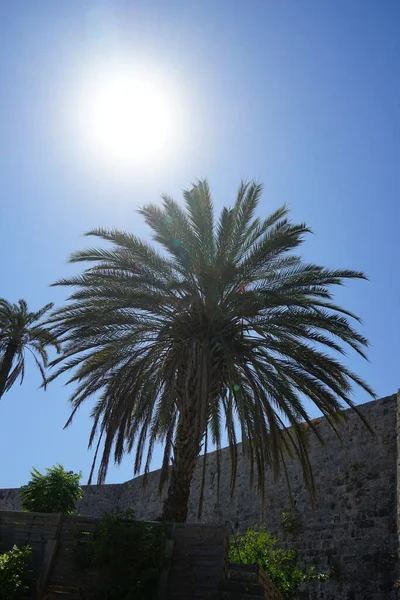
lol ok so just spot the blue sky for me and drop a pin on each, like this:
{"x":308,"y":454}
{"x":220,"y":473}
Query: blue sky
{"x":302,"y":95}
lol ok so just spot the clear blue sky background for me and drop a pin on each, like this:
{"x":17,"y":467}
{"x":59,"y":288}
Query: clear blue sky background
{"x":303,"y":95}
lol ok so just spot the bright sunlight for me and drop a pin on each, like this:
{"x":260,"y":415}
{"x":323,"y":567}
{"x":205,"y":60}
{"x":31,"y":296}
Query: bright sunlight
{"x":124,"y":118}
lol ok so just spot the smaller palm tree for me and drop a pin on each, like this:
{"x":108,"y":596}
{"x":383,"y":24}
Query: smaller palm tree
{"x":22,"y":330}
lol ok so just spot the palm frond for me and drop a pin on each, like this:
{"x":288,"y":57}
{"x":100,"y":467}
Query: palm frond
{"x":21,"y":329}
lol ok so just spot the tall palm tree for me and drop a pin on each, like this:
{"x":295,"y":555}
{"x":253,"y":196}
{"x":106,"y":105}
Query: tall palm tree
{"x":225,"y":328}
{"x":21,"y":330}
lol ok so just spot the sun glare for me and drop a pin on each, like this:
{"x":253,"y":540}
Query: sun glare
{"x":125,"y":118}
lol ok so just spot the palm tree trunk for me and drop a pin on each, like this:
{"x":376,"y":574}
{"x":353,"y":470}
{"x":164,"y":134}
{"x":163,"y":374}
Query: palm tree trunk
{"x":6,"y":365}
{"x":186,"y":451}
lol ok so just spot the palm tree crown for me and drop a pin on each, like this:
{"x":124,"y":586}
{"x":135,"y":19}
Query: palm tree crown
{"x":225,"y":329}
{"x":21,"y":330}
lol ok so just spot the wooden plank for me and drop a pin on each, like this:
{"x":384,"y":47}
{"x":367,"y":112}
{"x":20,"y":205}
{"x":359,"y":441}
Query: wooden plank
{"x":49,"y":558}
{"x":164,"y":575}
{"x":26,"y":515}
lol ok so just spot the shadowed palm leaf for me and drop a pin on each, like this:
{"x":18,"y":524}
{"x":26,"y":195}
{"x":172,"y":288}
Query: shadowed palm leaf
{"x":21,"y":330}
{"x":225,"y":329}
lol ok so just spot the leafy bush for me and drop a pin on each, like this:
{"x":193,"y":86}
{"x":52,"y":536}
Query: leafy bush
{"x":259,"y":547}
{"x":57,"y":491}
{"x":12,"y":569}
{"x":127,"y":554}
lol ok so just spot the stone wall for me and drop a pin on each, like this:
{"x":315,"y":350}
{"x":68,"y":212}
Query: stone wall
{"x":351,"y":532}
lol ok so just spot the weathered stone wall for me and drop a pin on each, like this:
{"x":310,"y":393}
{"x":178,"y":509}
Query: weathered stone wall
{"x":97,"y":499}
{"x":352,"y":531}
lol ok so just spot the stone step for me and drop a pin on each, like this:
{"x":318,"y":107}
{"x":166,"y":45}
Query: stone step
{"x":245,"y":582}
{"x":236,"y":596}
{"x":242,"y":587}
{"x":242,"y":575}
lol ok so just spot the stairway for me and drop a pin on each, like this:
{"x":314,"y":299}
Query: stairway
{"x":246,"y":582}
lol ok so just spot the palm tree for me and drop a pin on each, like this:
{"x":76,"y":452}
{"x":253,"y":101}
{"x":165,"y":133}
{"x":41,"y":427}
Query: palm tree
{"x":225,"y":328}
{"x":21,"y":330}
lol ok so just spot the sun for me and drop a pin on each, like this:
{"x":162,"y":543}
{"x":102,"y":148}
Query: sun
{"x":125,"y":118}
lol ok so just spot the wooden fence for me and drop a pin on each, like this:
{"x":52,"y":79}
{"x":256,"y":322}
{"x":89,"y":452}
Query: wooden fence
{"x":197,"y":553}
{"x":52,"y":538}
{"x":199,"y":561}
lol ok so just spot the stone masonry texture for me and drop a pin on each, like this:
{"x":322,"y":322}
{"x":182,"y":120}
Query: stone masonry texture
{"x":352,"y":530}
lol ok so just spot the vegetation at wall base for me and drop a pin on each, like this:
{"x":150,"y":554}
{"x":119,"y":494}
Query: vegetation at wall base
{"x":56,"y":491}
{"x":13,"y":566}
{"x":258,"y":547}
{"x":126,"y":555}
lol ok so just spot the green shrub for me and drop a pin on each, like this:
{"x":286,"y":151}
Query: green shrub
{"x":57,"y":491}
{"x":260,"y":548}
{"x":12,"y":569}
{"x":127,"y":555}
